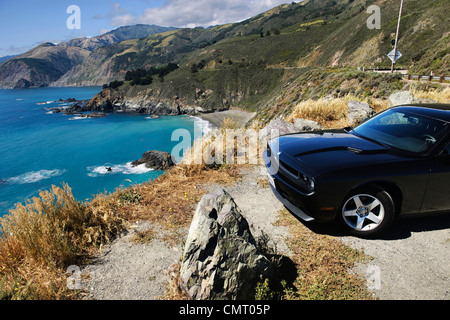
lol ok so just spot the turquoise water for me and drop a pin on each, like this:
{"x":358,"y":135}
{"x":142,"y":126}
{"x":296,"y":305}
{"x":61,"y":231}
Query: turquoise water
{"x":39,"y":149}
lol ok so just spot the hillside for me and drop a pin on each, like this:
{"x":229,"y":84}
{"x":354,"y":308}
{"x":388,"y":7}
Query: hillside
{"x":48,"y":62}
{"x":271,"y":62}
{"x":268,"y":47}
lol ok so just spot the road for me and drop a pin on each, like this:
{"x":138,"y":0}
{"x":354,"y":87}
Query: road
{"x":410,"y":262}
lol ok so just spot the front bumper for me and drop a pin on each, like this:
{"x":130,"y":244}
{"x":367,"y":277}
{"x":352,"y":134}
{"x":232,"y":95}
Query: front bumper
{"x":306,"y":206}
{"x":293,"y":208}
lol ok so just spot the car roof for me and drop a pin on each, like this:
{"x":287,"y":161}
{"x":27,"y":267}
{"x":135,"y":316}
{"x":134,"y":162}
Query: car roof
{"x":439,"y":111}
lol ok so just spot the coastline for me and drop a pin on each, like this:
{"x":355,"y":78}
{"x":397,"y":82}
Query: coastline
{"x":215,"y":119}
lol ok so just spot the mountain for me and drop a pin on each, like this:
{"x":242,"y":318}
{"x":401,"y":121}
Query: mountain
{"x":116,"y":36}
{"x":288,"y":51}
{"x":48,"y":62}
{"x":243,"y":62}
{"x":6,"y":58}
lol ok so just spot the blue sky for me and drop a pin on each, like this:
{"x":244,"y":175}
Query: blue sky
{"x":25,"y":24}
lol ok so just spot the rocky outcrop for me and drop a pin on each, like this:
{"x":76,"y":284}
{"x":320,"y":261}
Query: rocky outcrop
{"x":116,"y":101}
{"x":221,"y":261}
{"x":306,"y":125}
{"x":279,"y":127}
{"x":406,"y":97}
{"x":157,"y":160}
{"x":359,"y":111}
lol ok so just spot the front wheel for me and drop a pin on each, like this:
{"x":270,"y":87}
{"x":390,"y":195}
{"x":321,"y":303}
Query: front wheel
{"x":368,"y":213}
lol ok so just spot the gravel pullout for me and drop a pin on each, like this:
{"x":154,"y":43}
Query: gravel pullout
{"x":411,"y":262}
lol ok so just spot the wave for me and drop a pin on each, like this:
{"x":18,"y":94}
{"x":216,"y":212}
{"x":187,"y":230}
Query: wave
{"x":128,"y":168}
{"x":35,"y":176}
{"x":205,"y":125}
{"x":45,"y":102}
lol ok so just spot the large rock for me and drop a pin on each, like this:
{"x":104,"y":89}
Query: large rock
{"x":221,"y":261}
{"x":275,"y":128}
{"x":157,"y":160}
{"x":402,"y":97}
{"x":359,"y":111}
{"x":306,"y":125}
{"x":406,"y":97}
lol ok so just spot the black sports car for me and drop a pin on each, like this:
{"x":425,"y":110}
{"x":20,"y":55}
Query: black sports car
{"x":396,"y":163}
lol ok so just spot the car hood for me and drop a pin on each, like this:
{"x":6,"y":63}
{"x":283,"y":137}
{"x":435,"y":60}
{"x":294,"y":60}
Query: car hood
{"x":326,"y":151}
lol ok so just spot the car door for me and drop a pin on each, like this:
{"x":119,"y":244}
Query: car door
{"x":437,"y":195}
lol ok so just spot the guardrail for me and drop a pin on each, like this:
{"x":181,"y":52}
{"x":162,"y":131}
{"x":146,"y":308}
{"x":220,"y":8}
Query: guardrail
{"x":427,"y":78}
{"x":408,"y":76}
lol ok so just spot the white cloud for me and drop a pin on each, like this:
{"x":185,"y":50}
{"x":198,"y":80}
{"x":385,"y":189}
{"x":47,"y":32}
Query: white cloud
{"x":191,"y":13}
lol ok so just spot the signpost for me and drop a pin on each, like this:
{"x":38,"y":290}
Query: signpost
{"x":394,"y":57}
{"x":397,"y":54}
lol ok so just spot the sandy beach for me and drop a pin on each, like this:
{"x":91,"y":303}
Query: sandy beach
{"x":216,"y":118}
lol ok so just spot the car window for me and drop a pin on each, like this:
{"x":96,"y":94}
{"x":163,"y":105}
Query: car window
{"x":403,"y":130}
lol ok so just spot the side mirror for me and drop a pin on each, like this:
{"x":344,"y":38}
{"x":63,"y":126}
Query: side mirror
{"x":348,"y":129}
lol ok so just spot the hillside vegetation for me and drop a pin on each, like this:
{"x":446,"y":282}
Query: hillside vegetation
{"x":273,"y":61}
{"x":312,"y":33}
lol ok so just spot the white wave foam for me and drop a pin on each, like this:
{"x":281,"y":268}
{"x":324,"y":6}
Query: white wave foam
{"x":206,"y":126}
{"x":35,"y":176}
{"x":45,"y":102}
{"x":77,"y":118}
{"x":127,"y":168}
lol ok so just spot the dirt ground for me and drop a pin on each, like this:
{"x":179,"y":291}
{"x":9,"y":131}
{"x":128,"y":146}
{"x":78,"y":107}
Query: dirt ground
{"x":410,"y":262}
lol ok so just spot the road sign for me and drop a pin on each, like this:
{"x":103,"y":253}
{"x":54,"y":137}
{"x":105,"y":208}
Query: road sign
{"x":395,"y":57}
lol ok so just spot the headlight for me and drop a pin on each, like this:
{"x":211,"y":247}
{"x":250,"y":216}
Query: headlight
{"x":311,"y":183}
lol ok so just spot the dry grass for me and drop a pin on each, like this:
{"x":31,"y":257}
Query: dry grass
{"x":441,"y":96}
{"x":332,"y":113}
{"x":324,"y":265}
{"x":170,"y":200}
{"x":174,"y":288}
{"x":42,"y":238}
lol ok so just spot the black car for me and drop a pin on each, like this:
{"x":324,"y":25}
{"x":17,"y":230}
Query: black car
{"x":396,"y":163}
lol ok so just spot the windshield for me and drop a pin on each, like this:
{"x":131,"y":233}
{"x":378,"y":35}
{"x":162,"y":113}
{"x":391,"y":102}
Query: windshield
{"x":403,"y":130}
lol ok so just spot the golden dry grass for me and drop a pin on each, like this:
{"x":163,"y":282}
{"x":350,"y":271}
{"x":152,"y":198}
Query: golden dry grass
{"x":171,"y":199}
{"x":332,"y":113}
{"x":324,"y":265}
{"x":441,"y":96}
{"x":40,"y":239}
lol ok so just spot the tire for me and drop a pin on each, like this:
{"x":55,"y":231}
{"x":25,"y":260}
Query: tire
{"x":368,"y":212}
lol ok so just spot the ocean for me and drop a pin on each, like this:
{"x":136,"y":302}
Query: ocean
{"x":39,"y":148}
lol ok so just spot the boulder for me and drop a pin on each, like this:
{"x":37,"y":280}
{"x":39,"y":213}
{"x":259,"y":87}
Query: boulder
{"x":275,"y":128}
{"x":401,"y":97}
{"x":406,"y":97}
{"x":306,"y":125}
{"x":359,"y":111}
{"x":221,"y":260}
{"x":157,"y":160}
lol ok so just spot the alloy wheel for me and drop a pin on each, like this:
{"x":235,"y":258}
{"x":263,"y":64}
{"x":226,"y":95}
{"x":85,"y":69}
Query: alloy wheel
{"x":363,"y":212}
